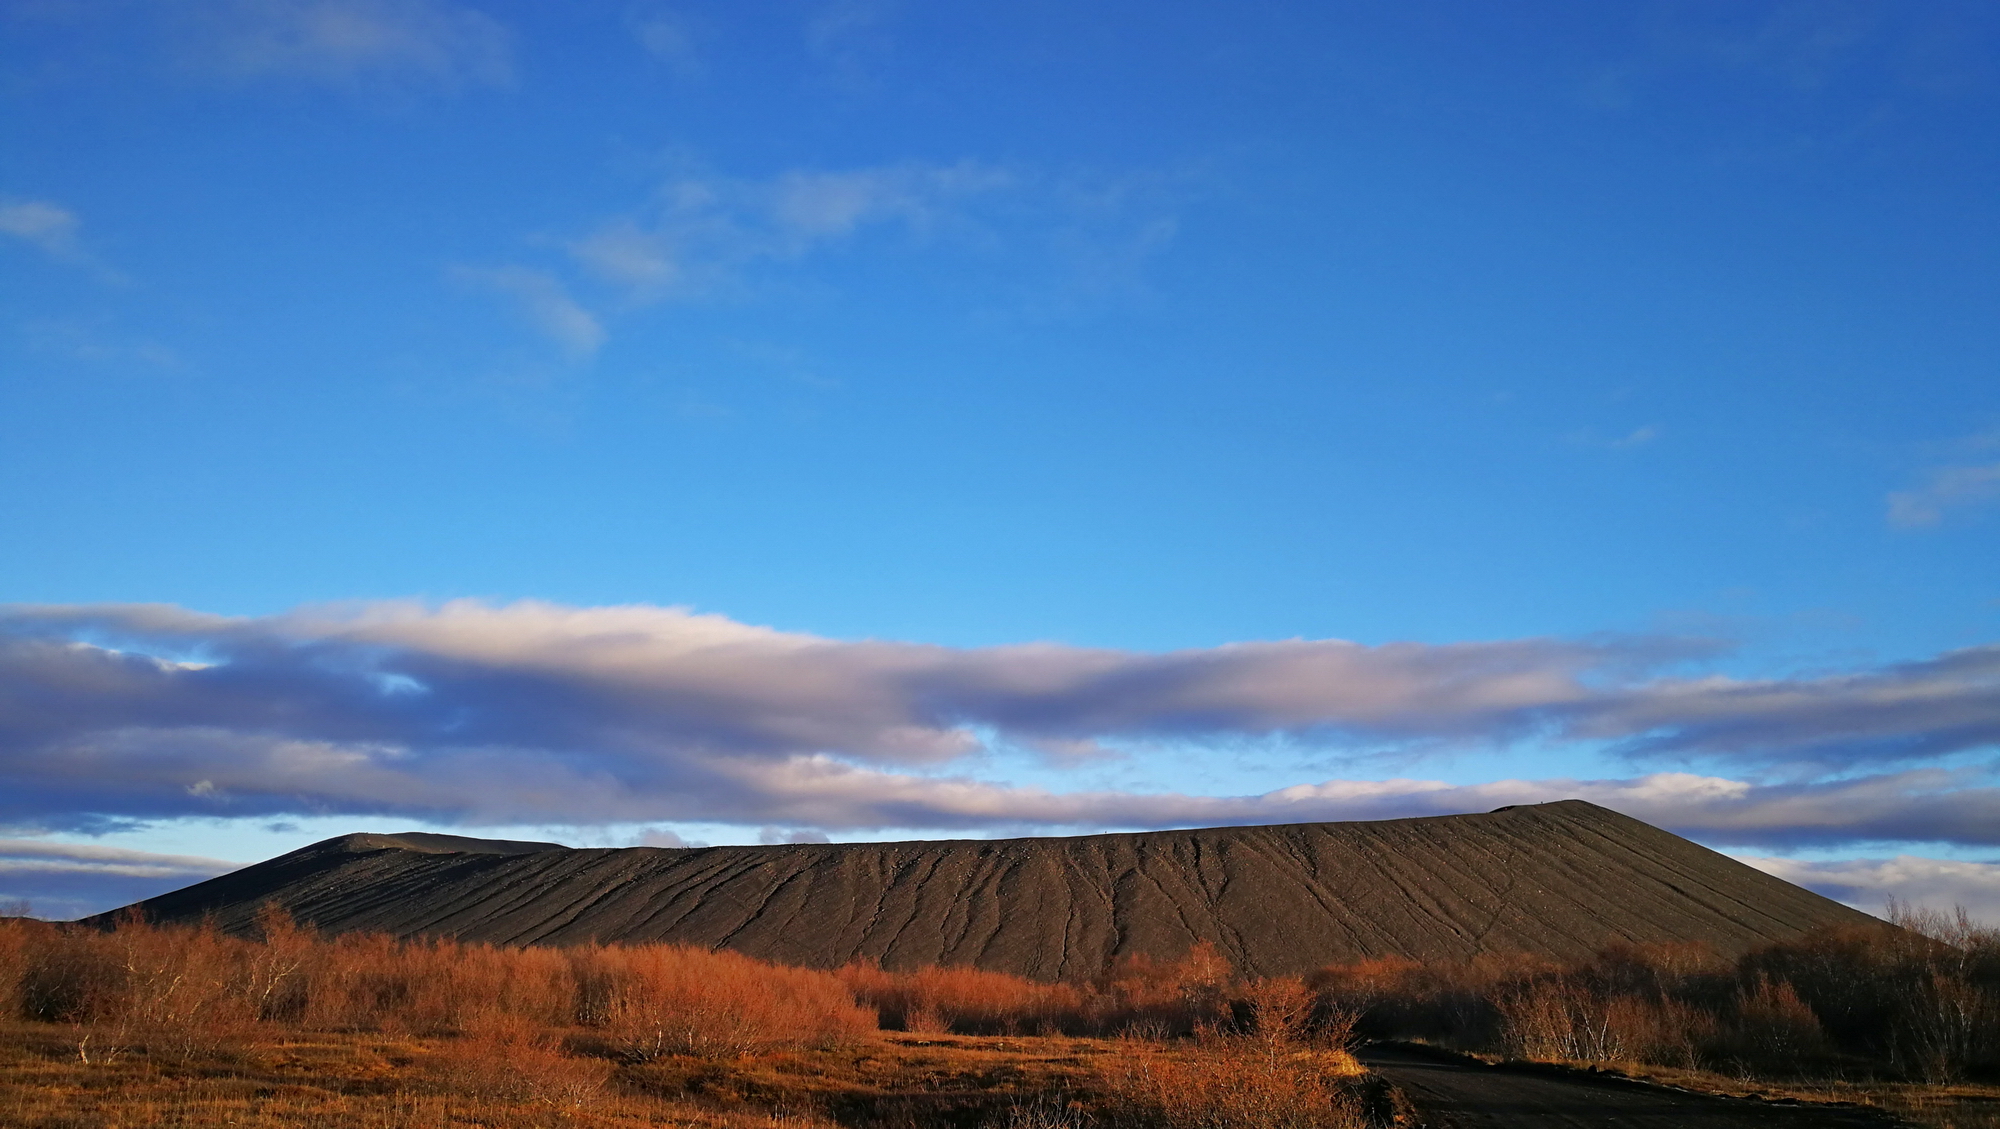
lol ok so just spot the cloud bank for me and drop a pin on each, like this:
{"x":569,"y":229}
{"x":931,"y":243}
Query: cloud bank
{"x":535,"y":712}
{"x":1868,"y":884}
{"x":67,"y":880}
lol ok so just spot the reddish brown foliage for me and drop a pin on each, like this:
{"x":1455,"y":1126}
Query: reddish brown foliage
{"x":1136,"y":995}
{"x":1921,"y":1002}
{"x":181,"y":988}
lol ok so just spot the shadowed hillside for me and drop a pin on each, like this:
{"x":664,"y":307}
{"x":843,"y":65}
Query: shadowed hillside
{"x":1562,"y":880}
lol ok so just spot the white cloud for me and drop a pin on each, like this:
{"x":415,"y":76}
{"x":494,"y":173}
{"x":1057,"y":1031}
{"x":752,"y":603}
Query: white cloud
{"x":772,"y":835}
{"x":336,"y":40}
{"x":815,"y":206}
{"x":50,"y":227}
{"x":670,"y":37}
{"x":704,"y":236}
{"x":57,"y":232}
{"x":1944,"y":704}
{"x":847,"y":35}
{"x":536,"y":712}
{"x":1868,"y":884}
{"x":1953,"y":488}
{"x":826,"y":792}
{"x":92,"y":344}
{"x":704,"y":232}
{"x":545,"y":303}
{"x":1637,"y":437}
{"x":623,"y":253}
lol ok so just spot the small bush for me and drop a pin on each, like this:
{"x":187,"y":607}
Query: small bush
{"x":1770,"y":1031}
{"x":1228,"y":1082}
{"x":662,"y":1000}
{"x":1919,"y":1002}
{"x":188,"y":991}
{"x":1136,"y":994}
{"x":966,"y":1000}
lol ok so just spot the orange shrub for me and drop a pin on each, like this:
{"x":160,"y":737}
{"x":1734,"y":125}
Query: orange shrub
{"x":512,"y":1058}
{"x":1772,"y":1030}
{"x":1136,"y":995}
{"x":181,"y":989}
{"x":1231,"y":1082}
{"x":655,"y":1000}
{"x":966,"y":1000}
{"x":21,"y":941}
{"x":1280,"y":1009}
{"x":1162,"y":998}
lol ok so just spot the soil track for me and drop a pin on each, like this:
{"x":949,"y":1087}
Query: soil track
{"x":1560,"y":880}
{"x":1456,"y":1095}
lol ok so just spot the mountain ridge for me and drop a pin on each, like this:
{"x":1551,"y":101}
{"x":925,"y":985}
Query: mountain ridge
{"x":1561,"y":880}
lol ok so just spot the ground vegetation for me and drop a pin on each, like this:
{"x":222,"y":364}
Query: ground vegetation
{"x":178,"y":1024}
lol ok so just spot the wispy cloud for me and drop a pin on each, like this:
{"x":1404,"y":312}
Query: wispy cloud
{"x":41,"y":854}
{"x":92,"y":343}
{"x":342,"y":40}
{"x":49,"y":227}
{"x":66,"y":880}
{"x":535,"y":712}
{"x":55,"y":231}
{"x":702,"y":233}
{"x":1895,"y":712}
{"x":544,"y":301}
{"x":848,"y":35}
{"x":670,"y":37}
{"x":704,"y":237}
{"x":1619,"y":441}
{"x":1949,"y":489}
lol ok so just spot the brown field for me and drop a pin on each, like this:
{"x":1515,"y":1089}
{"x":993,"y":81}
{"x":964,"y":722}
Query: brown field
{"x":185,"y":1025}
{"x":151,"y":1025}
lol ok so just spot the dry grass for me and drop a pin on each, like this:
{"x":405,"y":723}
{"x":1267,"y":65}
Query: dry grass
{"x":148,"y":1025}
{"x":182,"y":990}
{"x":186,"y":1026}
{"x":1272,"y":1077}
{"x":335,"y":1082}
{"x":1136,"y":995}
{"x":516,"y":1079}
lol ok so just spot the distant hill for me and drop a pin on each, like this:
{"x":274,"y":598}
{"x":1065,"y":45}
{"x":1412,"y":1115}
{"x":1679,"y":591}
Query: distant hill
{"x":1561,"y":880}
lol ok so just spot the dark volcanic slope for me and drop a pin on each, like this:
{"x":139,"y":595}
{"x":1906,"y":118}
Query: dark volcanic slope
{"x":1562,"y":879}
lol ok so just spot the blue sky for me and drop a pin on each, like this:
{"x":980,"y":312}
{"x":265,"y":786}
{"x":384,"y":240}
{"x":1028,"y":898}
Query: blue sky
{"x":1620,"y":380}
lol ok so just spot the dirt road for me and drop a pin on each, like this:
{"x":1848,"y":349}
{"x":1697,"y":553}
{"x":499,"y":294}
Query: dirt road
{"x":1452,"y":1095}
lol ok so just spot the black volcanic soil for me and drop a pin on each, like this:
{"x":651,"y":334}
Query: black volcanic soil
{"x":1561,"y":880}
